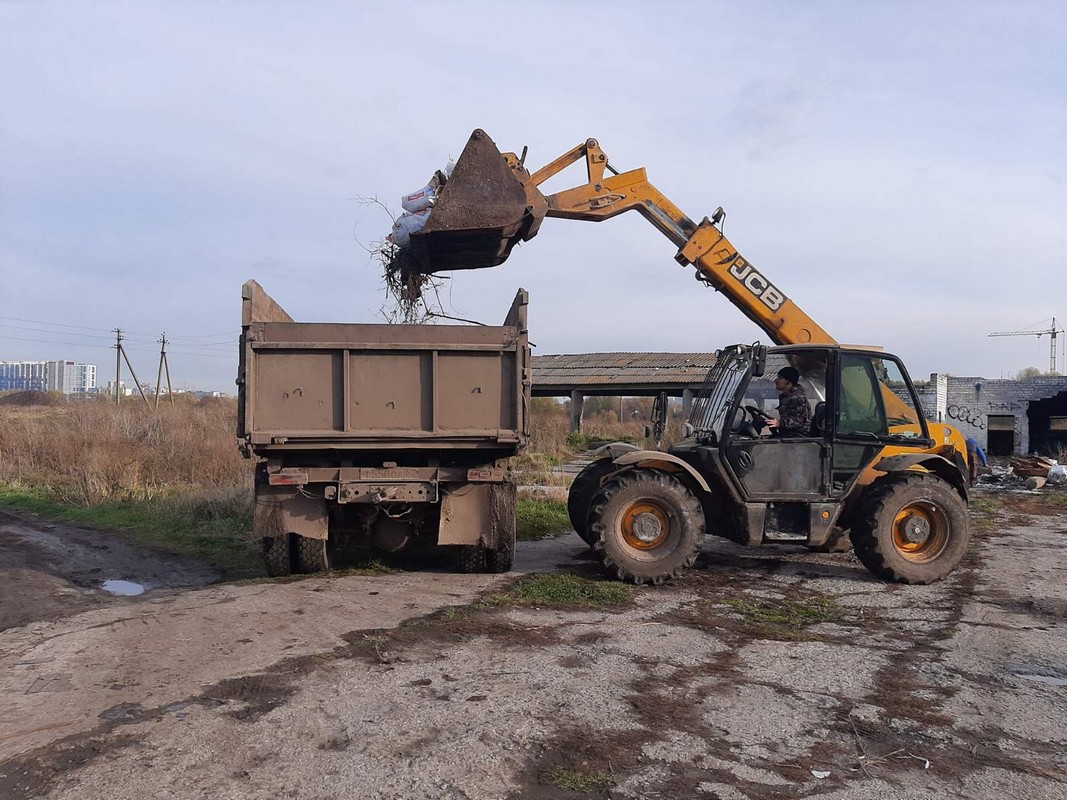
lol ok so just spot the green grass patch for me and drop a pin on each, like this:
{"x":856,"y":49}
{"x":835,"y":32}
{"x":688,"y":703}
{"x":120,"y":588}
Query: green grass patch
{"x":983,"y":511}
{"x":215,"y":529}
{"x":536,"y":519}
{"x":573,"y":780}
{"x":984,"y":505}
{"x":562,"y":590}
{"x":787,"y":618}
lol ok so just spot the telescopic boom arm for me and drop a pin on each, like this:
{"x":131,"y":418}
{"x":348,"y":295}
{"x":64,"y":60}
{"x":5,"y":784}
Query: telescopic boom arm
{"x":702,"y":245}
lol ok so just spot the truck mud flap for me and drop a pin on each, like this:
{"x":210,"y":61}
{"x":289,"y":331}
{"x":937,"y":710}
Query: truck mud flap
{"x":477,"y":514}
{"x":282,"y":509}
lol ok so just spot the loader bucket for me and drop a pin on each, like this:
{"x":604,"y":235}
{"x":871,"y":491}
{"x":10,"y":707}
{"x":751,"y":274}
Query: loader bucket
{"x":479,"y":216}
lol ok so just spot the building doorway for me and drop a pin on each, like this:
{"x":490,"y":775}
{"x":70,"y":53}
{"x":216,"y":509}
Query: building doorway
{"x":1048,"y":425}
{"x":1000,"y":436}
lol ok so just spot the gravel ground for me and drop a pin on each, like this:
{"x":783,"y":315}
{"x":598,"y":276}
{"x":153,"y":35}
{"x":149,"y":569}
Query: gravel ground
{"x":761,"y":674}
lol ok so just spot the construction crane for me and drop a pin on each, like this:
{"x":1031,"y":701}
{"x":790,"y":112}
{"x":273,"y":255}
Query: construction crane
{"x":1052,"y":331}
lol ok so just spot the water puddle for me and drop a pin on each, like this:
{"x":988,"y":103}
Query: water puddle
{"x":1046,"y":679}
{"x":123,"y":588}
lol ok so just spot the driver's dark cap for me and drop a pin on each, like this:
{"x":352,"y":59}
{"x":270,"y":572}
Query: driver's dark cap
{"x":791,"y":374}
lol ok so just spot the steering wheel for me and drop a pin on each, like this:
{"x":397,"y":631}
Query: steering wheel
{"x":757,"y":419}
{"x":758,"y":415}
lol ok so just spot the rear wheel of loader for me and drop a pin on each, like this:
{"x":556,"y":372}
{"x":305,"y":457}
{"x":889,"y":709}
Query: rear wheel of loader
{"x":913,"y":528}
{"x":649,"y":527}
{"x":310,"y":555}
{"x":580,"y":497}
{"x":276,"y":556}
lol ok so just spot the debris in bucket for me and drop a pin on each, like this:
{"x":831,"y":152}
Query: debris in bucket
{"x":406,"y":284}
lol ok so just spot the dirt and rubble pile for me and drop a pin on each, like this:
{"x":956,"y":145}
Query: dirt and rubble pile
{"x":1025,"y":472}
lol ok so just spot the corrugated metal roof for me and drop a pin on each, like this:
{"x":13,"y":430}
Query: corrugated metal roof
{"x":621,"y":369}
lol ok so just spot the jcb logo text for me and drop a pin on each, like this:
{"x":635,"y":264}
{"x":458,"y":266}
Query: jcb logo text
{"x":769,"y":294}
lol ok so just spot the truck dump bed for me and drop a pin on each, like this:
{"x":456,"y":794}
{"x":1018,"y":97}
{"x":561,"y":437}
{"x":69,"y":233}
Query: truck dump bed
{"x":344,"y":387}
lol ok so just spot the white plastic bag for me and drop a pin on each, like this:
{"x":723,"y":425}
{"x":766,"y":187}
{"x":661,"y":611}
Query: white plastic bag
{"x":407,"y":224}
{"x":420,"y":200}
{"x":1057,"y":473}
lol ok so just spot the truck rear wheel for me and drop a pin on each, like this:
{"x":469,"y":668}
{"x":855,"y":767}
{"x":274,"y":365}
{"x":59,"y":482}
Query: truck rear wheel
{"x":310,"y":555}
{"x":276,"y":556}
{"x":649,"y":527}
{"x":913,"y":528}
{"x":580,"y":497}
{"x":470,"y":558}
{"x":502,"y":503}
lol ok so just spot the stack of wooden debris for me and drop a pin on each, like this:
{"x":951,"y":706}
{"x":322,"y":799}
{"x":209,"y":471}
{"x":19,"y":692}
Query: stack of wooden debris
{"x":1037,"y":470}
{"x":1032,"y":466}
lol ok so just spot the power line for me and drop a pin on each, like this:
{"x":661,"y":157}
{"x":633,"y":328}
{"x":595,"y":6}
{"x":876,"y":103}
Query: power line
{"x":192,"y":338}
{"x":112,"y":347}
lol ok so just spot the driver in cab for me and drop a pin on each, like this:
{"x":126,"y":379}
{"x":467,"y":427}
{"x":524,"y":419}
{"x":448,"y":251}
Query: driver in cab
{"x":794,"y":413}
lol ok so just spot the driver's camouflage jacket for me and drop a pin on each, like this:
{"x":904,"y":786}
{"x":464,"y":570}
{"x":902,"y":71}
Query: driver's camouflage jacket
{"x":794,"y":412}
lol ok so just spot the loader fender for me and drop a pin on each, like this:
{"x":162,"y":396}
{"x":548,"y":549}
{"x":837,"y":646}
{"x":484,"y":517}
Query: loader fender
{"x":614,"y":450}
{"x":938,"y":465}
{"x":654,"y":459}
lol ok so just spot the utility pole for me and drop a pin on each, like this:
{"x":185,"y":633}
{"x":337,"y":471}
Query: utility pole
{"x":118,"y":362}
{"x":120,"y":354}
{"x":1052,"y":331}
{"x":163,"y":362}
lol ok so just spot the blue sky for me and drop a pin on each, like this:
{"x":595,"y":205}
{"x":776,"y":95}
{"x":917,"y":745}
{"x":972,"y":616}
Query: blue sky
{"x":898,"y":168}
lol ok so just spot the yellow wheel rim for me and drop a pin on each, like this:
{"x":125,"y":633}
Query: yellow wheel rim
{"x":645,"y":525}
{"x":920,"y":531}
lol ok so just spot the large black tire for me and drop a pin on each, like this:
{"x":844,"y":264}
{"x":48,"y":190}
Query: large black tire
{"x":502,"y":557}
{"x":649,"y":527}
{"x":276,"y":556}
{"x":502,"y":517}
{"x":580,"y":497}
{"x":310,"y":555}
{"x":470,"y":558}
{"x":912,"y":528}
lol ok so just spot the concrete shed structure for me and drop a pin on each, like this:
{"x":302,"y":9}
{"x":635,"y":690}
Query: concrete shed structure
{"x":582,"y":375}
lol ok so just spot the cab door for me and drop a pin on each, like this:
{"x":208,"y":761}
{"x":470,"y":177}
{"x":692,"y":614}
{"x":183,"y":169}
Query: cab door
{"x":875,"y":407}
{"x":769,"y":468}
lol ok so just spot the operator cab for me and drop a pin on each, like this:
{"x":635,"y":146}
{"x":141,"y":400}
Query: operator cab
{"x":860,"y":401}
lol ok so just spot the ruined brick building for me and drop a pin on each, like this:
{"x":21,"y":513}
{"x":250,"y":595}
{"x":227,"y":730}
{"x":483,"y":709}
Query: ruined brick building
{"x":1005,"y":416}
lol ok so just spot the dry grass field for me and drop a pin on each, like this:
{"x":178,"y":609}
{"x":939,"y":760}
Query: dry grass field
{"x":173,"y":478}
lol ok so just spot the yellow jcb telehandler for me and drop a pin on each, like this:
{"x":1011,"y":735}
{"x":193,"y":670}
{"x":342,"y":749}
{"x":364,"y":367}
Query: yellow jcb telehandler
{"x":869,"y":464}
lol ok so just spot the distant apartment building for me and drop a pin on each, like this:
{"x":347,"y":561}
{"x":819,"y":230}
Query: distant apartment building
{"x":24,"y":375}
{"x":68,"y":377}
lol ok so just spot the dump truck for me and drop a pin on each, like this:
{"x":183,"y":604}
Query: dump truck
{"x":383,"y":435}
{"x":870,"y":465}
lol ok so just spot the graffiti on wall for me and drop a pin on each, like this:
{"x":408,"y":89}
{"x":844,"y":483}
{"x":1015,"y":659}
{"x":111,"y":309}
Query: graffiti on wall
{"x":1008,"y":405}
{"x":967,"y":415}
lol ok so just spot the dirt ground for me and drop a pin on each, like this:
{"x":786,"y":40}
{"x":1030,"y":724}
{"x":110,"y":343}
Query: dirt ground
{"x":768,"y":673}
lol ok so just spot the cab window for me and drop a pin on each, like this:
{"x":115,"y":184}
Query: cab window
{"x":874,"y":398}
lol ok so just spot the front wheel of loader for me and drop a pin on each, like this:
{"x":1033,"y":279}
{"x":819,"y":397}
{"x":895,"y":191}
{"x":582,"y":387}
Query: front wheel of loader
{"x":649,"y":527}
{"x":913,"y":528}
{"x":580,"y":496}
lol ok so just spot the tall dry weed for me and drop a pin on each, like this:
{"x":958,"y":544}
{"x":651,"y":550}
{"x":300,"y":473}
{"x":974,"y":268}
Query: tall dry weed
{"x":85,"y":453}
